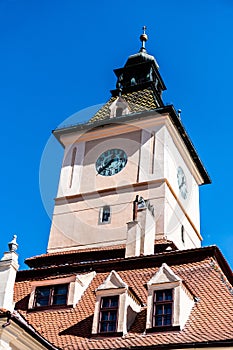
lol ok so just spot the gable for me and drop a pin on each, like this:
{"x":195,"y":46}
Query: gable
{"x":164,"y":275}
{"x":113,"y":281}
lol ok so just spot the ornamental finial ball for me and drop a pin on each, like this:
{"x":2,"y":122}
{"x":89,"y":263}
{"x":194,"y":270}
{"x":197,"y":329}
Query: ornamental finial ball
{"x":143,"y":37}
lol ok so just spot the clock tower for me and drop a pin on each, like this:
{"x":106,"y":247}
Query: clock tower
{"x":130,"y":176}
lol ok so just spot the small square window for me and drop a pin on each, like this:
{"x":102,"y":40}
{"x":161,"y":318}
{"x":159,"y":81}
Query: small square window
{"x":163,"y":306}
{"x":108,"y":314}
{"x":51,"y":295}
{"x":105,"y":215}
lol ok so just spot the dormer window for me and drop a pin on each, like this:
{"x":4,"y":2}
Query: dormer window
{"x":108,"y":314}
{"x":169,"y":301}
{"x":163,"y":305}
{"x":59,"y":292}
{"x":116,"y":306}
{"x":51,"y":295}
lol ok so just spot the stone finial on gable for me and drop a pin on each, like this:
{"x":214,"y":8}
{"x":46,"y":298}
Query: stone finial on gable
{"x":113,"y":281}
{"x":8,"y":269}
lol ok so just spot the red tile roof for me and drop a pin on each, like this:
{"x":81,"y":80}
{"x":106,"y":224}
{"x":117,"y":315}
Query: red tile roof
{"x":205,"y":273}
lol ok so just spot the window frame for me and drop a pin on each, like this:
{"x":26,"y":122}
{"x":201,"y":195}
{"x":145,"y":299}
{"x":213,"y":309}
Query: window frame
{"x":163,"y":303}
{"x":51,"y":296}
{"x":108,"y":309}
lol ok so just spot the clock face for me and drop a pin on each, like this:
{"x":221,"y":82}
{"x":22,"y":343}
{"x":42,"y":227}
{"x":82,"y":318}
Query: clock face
{"x":182,"y":184}
{"x":111,"y":162}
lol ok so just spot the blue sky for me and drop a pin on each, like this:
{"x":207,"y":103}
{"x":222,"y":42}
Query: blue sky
{"x":57,"y":58}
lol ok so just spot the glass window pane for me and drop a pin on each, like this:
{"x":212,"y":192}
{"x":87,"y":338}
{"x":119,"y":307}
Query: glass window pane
{"x":61,"y":289}
{"x":103,"y":327}
{"x":43,"y":291}
{"x":42,"y":302}
{"x":42,"y":296}
{"x":168,"y":309}
{"x":112,"y":327}
{"x":159,"y":295}
{"x":167,"y":320}
{"x":158,"y":321}
{"x":168,"y":294}
{"x":109,"y":302}
{"x":114,"y":302}
{"x":112,"y":315}
{"x":159,"y":310}
{"x":105,"y":302}
{"x":59,"y":300}
{"x":104,"y":316}
{"x":60,"y":294}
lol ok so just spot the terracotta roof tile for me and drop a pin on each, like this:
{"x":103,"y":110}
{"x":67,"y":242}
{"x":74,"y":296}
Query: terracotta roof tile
{"x":210,"y":320}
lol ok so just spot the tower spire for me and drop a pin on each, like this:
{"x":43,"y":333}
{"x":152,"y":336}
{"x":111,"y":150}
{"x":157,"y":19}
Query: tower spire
{"x":143,"y":38}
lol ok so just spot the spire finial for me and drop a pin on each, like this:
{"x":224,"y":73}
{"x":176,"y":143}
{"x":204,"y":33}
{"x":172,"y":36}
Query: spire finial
{"x":143,"y":39}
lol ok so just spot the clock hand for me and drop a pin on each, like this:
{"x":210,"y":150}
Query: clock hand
{"x":106,"y":165}
{"x":182,"y":183}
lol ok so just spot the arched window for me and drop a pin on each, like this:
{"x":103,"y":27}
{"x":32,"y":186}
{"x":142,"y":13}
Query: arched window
{"x":119,"y":111}
{"x":72,"y":165}
{"x":182,"y":233}
{"x":152,"y":152}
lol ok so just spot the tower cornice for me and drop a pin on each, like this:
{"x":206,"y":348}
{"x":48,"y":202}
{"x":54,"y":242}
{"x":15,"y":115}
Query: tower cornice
{"x":81,"y":132}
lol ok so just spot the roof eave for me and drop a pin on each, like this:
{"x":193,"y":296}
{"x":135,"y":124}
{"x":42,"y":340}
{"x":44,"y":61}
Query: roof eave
{"x":193,"y":345}
{"x":171,"y":257}
{"x":22,"y":323}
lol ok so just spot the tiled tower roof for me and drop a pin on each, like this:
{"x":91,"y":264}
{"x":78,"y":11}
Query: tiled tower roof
{"x":138,"y":101}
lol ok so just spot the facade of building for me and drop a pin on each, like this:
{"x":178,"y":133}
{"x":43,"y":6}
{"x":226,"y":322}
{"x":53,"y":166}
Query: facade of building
{"x":124,"y":267}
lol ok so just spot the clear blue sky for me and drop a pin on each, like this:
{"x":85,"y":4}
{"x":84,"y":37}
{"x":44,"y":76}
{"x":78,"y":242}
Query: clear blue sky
{"x":57,"y":58}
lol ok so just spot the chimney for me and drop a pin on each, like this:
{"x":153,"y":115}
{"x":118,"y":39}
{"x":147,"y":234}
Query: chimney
{"x":8,"y":269}
{"x":141,"y":231}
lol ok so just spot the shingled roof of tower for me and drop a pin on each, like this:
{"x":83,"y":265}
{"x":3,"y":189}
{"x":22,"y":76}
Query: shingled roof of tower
{"x":204,"y":271}
{"x":141,"y":100}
